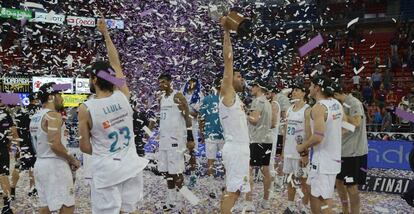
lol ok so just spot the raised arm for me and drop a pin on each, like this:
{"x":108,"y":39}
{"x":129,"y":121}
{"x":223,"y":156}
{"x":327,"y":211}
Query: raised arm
{"x":227,"y":90}
{"x":113,"y":55}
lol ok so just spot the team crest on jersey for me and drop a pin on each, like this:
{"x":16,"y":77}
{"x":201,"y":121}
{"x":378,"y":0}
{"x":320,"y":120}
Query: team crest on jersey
{"x":106,"y":124}
{"x":299,"y":139}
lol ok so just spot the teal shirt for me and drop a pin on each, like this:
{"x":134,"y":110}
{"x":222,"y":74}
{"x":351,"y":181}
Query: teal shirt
{"x":209,"y":112}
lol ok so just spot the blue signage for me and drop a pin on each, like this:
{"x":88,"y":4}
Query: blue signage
{"x":389,"y":154}
{"x":24,"y":98}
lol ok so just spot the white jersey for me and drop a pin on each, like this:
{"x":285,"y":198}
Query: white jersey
{"x":173,"y":129}
{"x":39,"y":136}
{"x":326,"y":156}
{"x":295,"y":131}
{"x":114,"y":158}
{"x":234,"y":122}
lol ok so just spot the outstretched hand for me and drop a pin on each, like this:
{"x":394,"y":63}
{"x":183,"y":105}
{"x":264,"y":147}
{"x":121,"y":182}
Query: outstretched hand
{"x":102,"y":25}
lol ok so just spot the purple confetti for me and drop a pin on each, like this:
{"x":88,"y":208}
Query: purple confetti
{"x":312,"y":44}
{"x":404,"y":114}
{"x":10,"y":98}
{"x":116,"y":81}
{"x":62,"y":87}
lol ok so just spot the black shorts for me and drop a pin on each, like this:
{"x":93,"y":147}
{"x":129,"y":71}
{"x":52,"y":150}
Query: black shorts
{"x":353,"y":170}
{"x":279,"y":145}
{"x":4,"y":162}
{"x":260,"y":154}
{"x":25,"y":161}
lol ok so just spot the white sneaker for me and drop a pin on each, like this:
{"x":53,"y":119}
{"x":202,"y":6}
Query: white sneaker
{"x":265,"y":204}
{"x":249,"y":207}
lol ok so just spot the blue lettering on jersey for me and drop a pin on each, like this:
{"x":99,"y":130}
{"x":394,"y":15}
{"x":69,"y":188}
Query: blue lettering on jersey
{"x":112,"y":108}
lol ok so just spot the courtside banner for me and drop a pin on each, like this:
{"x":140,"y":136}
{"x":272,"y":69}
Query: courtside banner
{"x":80,"y":21}
{"x":39,"y":81}
{"x":15,"y":14}
{"x":115,"y":23}
{"x":73,"y":100}
{"x":389,"y":154}
{"x":82,"y":86}
{"x":49,"y":18}
{"x":385,"y":184}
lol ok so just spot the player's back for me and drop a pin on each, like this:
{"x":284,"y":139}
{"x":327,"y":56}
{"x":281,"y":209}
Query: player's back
{"x":114,"y":158}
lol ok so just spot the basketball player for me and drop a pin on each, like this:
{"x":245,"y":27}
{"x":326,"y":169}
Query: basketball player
{"x":174,"y":120}
{"x":211,"y":128}
{"x":26,"y":158}
{"x":297,"y":130}
{"x":106,"y":133}
{"x":354,"y":152}
{"x":52,"y":170}
{"x":236,"y":152}
{"x":325,"y":144}
{"x":261,"y":140}
{"x":7,"y":127}
{"x":271,"y":96}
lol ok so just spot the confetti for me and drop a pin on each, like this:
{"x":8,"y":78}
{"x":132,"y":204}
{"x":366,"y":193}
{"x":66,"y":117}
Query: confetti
{"x":404,"y":114}
{"x":114,"y":80}
{"x":312,"y":44}
{"x":353,"y":21}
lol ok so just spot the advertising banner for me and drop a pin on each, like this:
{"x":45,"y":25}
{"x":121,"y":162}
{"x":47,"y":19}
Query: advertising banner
{"x":73,"y":100}
{"x":15,"y":13}
{"x":80,"y":21}
{"x":39,"y":81}
{"x":24,"y":98}
{"x":389,"y":154}
{"x":385,"y":184}
{"x":15,"y":84}
{"x":82,"y":86}
{"x":49,"y":18}
{"x":115,"y":23}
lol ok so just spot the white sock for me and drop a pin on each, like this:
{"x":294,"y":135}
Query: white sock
{"x":172,"y":195}
{"x":291,"y":205}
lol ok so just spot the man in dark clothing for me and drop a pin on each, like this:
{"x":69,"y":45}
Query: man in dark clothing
{"x":6,"y":127}
{"x":140,"y":121}
{"x":26,"y":158}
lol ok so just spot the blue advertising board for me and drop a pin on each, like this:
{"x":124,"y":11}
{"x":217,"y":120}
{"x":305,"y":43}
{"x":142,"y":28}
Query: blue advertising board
{"x":389,"y":154}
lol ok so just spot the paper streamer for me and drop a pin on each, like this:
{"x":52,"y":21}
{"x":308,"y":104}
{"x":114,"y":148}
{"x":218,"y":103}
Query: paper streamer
{"x":116,"y":81}
{"x":404,"y":114}
{"x":312,"y":44}
{"x":62,"y":87}
{"x":353,"y":21}
{"x":10,"y":98}
{"x":189,"y":196}
{"x":348,"y":126}
{"x":147,"y":130}
{"x":359,"y":70}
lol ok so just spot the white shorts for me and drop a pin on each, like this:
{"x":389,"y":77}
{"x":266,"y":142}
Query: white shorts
{"x":322,"y":185}
{"x":120,"y":197}
{"x":291,"y":165}
{"x":54,"y":183}
{"x":171,"y":161}
{"x":236,"y":162}
{"x":212,"y":147}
